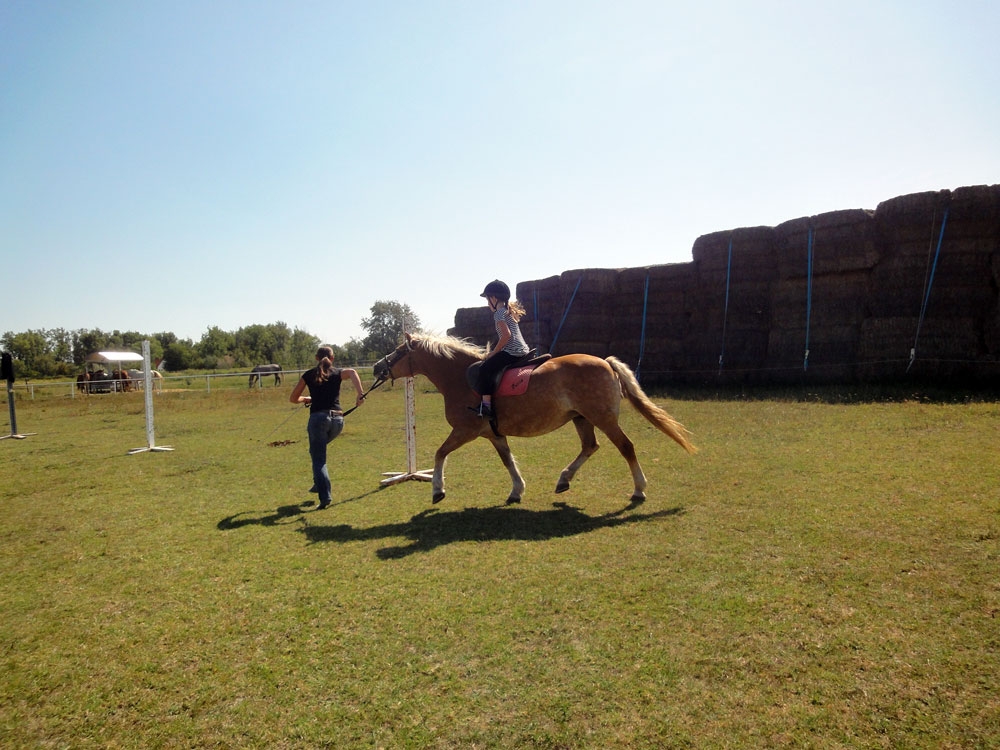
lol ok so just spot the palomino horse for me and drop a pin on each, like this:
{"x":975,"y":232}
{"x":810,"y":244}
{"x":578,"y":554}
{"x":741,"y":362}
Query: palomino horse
{"x":261,"y":370}
{"x":580,"y":388}
{"x":137,"y":379}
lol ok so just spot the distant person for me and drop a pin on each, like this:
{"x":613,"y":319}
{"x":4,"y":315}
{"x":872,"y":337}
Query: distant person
{"x":510,"y":347}
{"x":326,"y":420}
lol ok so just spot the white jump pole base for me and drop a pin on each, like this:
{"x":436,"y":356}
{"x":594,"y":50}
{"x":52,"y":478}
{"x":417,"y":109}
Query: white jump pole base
{"x":424,"y":475}
{"x":151,"y":445}
{"x":394,"y":477}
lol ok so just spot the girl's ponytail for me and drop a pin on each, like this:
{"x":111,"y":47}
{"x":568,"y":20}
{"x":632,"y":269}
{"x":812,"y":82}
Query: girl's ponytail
{"x":325,"y":367}
{"x":516,"y":310}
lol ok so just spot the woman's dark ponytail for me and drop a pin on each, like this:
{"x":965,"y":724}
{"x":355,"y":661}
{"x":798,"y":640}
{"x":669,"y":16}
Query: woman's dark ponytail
{"x":325,"y":367}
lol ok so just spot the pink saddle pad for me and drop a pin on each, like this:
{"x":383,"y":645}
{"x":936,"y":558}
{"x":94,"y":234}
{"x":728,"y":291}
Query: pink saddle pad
{"x":515,"y":381}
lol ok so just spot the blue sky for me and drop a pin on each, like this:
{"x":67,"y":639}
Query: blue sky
{"x":171,"y":166}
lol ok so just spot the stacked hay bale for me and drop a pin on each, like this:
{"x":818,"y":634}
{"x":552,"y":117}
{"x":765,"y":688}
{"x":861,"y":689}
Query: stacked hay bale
{"x":958,"y":293}
{"x":991,"y":329}
{"x":543,"y":303}
{"x":870,"y":278}
{"x":474,"y":324}
{"x":736,"y":330}
{"x":843,"y":254}
{"x":575,"y":311}
{"x":651,"y":319}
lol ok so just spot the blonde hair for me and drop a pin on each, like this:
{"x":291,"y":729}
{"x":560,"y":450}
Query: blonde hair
{"x":516,"y":310}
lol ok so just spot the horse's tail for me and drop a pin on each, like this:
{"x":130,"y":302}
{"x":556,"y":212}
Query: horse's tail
{"x":656,"y":416}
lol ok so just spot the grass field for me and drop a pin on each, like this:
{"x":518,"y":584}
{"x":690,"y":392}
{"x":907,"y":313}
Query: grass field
{"x":820,"y":575}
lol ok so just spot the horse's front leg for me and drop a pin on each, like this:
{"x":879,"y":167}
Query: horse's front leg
{"x":517,"y":481}
{"x":454,"y":441}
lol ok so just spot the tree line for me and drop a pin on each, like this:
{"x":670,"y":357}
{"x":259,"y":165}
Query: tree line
{"x":56,"y":352}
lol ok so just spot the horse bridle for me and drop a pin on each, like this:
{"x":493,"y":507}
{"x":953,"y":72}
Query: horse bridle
{"x":391,"y":360}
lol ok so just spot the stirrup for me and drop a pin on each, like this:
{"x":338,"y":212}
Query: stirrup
{"x":483,"y":410}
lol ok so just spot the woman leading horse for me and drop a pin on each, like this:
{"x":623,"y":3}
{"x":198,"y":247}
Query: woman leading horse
{"x":578,"y":388}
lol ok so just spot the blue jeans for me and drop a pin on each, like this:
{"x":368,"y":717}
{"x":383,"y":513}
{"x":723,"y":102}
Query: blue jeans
{"x":322,"y":428}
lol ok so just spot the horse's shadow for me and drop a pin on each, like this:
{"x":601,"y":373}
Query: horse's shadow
{"x":432,"y":528}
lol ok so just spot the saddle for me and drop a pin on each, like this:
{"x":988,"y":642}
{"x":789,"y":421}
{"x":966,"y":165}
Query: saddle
{"x":513,"y":379}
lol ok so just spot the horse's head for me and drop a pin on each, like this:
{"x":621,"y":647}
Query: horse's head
{"x":382,"y":370}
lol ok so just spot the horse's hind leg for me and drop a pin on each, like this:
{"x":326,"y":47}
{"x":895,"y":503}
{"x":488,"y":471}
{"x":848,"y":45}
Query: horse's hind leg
{"x":625,"y":446}
{"x":517,"y":481}
{"x":588,"y":447}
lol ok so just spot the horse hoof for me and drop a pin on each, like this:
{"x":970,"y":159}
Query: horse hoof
{"x":636,"y":500}
{"x":562,"y":487}
{"x":438,"y":497}
{"x":512,"y":500}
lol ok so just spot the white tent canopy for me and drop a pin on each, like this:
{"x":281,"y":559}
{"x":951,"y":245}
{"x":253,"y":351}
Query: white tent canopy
{"x":107,"y":358}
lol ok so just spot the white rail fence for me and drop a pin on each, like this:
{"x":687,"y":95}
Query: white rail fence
{"x":71,"y":389}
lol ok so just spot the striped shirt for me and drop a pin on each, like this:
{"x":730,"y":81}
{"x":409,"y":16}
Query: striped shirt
{"x":516,"y":345}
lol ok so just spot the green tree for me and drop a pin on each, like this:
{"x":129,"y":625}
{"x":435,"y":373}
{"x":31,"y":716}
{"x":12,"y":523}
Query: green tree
{"x":385,"y":327}
{"x":61,"y":342}
{"x":165,"y":338}
{"x":302,"y":349}
{"x":352,"y":353}
{"x":180,"y":355}
{"x":31,"y":351}
{"x":87,"y":342}
{"x":132,"y":341}
{"x":259,"y":344}
{"x":216,"y":348}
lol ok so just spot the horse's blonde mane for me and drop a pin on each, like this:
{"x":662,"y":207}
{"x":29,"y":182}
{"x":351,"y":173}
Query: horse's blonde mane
{"x":448,"y":346}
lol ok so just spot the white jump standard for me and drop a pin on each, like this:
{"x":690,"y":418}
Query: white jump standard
{"x":425,"y":475}
{"x":148,"y":391}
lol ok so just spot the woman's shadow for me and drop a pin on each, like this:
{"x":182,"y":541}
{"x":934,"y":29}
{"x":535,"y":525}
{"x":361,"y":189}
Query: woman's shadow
{"x":432,"y":528}
{"x":282,"y":515}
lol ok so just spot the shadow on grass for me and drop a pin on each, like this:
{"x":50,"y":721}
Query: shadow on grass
{"x":283,"y":514}
{"x":432,"y":528}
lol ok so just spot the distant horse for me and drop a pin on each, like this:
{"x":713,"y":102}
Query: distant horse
{"x":138,"y":380}
{"x":134,"y":379}
{"x":122,"y":380}
{"x":580,"y":388}
{"x":83,"y":382}
{"x":157,"y":380}
{"x":260,"y":370}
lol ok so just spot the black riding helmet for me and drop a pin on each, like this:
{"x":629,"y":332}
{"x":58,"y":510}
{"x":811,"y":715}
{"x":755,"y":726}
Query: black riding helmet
{"x":498,"y":289}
